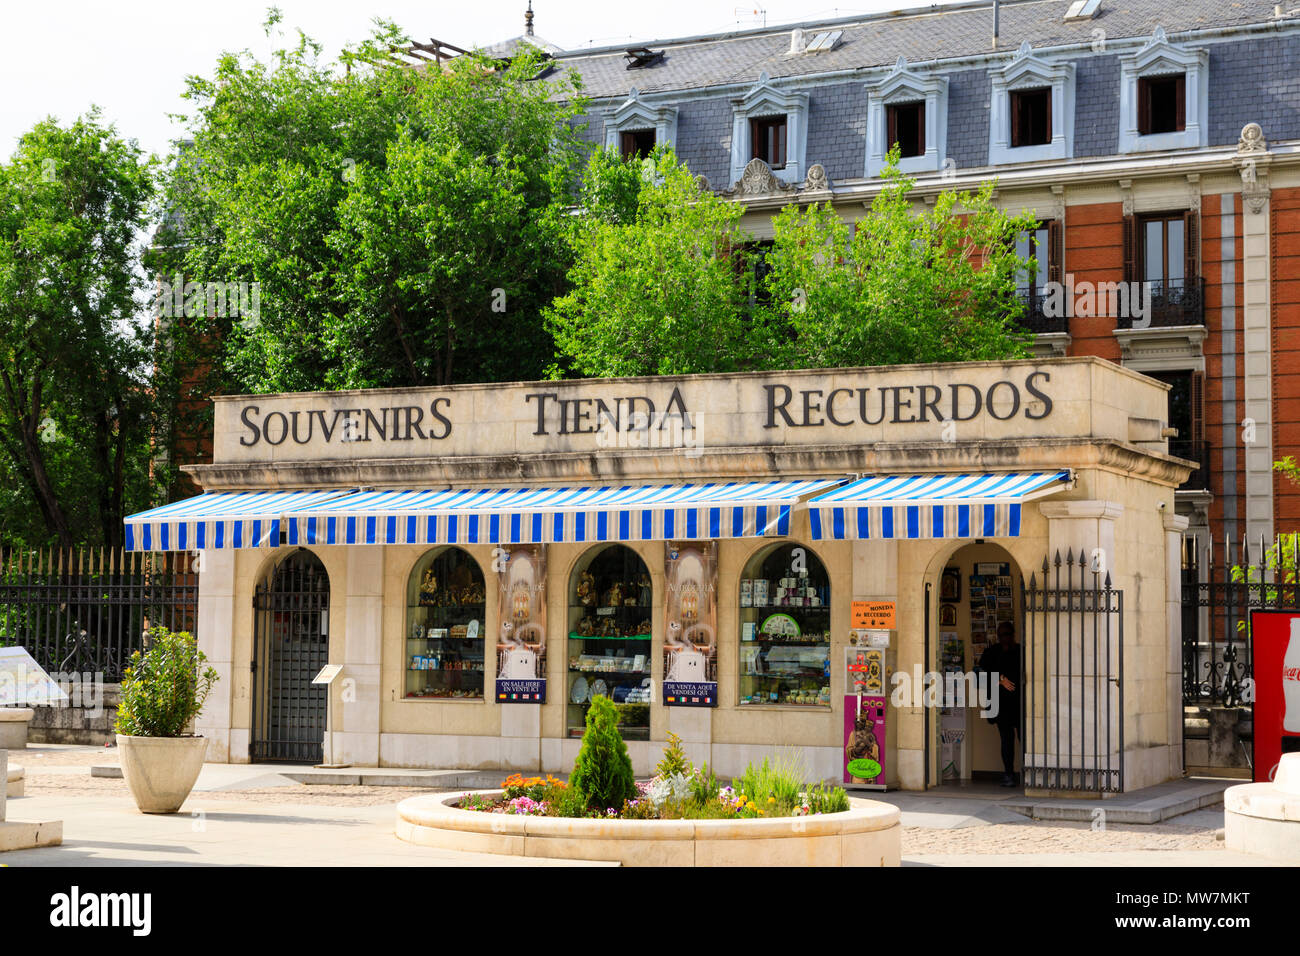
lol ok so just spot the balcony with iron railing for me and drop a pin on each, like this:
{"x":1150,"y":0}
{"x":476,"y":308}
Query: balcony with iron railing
{"x":1169,"y":304}
{"x":1036,"y":318}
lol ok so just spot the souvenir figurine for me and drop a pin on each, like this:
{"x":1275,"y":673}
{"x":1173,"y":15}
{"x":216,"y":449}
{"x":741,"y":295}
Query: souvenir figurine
{"x":428,"y":587}
{"x":586,"y":589}
{"x":645,"y":590}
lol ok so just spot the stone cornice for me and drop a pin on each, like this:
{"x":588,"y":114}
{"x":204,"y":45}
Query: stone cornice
{"x":745,"y":462}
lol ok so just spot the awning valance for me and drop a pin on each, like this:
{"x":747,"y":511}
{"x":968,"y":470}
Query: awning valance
{"x":472,"y":516}
{"x":931,"y":506}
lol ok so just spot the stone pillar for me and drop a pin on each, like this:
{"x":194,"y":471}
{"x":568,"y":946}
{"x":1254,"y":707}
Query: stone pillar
{"x":216,"y":638}
{"x":1174,"y":526}
{"x":355,"y":695}
{"x":1252,"y":162}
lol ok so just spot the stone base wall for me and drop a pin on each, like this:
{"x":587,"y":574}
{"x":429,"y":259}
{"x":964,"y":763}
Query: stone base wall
{"x":77,"y":725}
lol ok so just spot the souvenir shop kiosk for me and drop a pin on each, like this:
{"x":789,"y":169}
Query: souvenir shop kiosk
{"x":751,"y":561}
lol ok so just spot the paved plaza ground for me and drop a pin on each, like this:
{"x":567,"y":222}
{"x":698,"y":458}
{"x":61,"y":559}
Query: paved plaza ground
{"x":254,"y":815}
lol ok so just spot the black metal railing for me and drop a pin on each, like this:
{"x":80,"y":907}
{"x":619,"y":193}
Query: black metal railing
{"x":1222,"y":583}
{"x":1162,"y":304}
{"x":1196,"y":450}
{"x":1042,"y":317}
{"x":85,"y":611}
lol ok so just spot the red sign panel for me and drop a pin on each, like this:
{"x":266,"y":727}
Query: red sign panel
{"x":1275,"y":664}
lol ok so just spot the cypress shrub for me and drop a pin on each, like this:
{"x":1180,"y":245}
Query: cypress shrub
{"x":603,"y":771}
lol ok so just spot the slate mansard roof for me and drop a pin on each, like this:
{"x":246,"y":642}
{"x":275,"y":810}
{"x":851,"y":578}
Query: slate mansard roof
{"x":921,"y":35}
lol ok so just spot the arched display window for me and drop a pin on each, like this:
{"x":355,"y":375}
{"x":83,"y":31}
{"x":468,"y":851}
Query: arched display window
{"x":445,"y":626}
{"x":785,"y":629}
{"x":610,"y":600}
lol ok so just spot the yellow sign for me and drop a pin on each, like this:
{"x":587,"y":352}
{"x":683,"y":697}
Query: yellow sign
{"x":872,"y":614}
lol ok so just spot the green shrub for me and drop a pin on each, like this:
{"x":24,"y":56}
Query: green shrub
{"x":674,"y":762}
{"x":704,"y":786}
{"x":567,"y":802}
{"x":775,"y":784}
{"x":163,"y":690}
{"x":603,"y":771}
{"x":824,"y":798}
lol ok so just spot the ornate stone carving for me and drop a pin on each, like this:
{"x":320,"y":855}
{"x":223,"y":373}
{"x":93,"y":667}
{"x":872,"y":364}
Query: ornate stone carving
{"x":1254,"y":186}
{"x":702,"y":183}
{"x":1126,"y":191}
{"x":817,"y":180}
{"x":1252,"y":140}
{"x":758,"y":180}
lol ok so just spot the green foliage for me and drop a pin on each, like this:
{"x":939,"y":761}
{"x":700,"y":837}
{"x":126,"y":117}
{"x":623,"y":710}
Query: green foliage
{"x":667,"y":284}
{"x":603,"y":771}
{"x":1288,"y":467}
{"x":824,"y":798}
{"x":406,"y":226}
{"x":777,"y":782}
{"x":674,"y":762}
{"x":163,"y":690}
{"x":654,"y":291}
{"x":568,"y":802}
{"x":704,"y":786}
{"x":937,"y":285}
{"x":75,"y":409}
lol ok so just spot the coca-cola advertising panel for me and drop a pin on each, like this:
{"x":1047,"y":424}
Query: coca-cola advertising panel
{"x":521,"y":644}
{"x":1275,"y":662}
{"x":691,"y":614}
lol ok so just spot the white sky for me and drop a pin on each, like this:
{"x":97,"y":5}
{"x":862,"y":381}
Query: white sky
{"x":130,"y":57}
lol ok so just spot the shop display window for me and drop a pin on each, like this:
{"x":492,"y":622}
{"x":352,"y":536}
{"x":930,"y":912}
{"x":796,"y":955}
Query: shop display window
{"x":785,"y":623}
{"x":445,"y":627}
{"x":610,"y":601}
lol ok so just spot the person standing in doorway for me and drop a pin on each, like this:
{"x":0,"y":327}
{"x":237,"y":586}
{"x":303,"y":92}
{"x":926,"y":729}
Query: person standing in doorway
{"x":1003,"y":659}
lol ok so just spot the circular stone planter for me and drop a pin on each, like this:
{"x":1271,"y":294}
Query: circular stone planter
{"x":1264,"y":818}
{"x":161,"y":771}
{"x":868,"y":834}
{"x":13,"y":727}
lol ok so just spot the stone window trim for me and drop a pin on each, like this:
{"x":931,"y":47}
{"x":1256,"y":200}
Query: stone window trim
{"x":1160,"y":57}
{"x":903,"y":85}
{"x":1029,"y":71}
{"x":636,"y":113}
{"x":766,"y":99}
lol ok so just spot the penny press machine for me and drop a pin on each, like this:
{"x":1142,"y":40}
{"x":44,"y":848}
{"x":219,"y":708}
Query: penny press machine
{"x":865,"y":695}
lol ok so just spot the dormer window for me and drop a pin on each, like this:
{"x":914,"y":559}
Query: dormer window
{"x":1031,"y":117}
{"x":1162,"y":104}
{"x":636,"y":143}
{"x":1032,"y":109}
{"x":905,"y":124}
{"x":1163,"y":101}
{"x":909,"y":109}
{"x":767,"y":138}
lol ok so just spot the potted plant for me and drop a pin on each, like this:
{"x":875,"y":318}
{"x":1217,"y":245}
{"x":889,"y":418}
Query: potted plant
{"x":162,"y":692}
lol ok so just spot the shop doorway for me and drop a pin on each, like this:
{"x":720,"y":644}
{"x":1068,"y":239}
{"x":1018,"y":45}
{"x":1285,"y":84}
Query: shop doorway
{"x":290,"y":646}
{"x":980,"y":591}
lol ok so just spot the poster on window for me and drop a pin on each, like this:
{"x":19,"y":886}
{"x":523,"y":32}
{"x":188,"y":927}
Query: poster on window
{"x":521,"y":643}
{"x":1275,"y":670}
{"x":864,"y":719}
{"x":691,"y":622}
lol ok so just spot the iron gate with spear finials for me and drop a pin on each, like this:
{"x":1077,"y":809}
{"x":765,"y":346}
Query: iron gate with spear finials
{"x":1073,"y":659}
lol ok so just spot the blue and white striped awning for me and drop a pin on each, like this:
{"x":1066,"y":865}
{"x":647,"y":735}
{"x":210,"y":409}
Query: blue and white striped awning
{"x":472,"y":516}
{"x":931,"y":506}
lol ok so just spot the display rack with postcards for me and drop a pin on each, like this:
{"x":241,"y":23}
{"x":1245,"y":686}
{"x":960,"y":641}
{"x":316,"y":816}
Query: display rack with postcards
{"x":610,"y":607}
{"x":990,"y":601}
{"x":785,"y":622}
{"x":445,"y":616}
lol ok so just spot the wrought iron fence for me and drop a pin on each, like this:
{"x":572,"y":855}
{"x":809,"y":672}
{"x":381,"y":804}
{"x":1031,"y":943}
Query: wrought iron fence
{"x":1222,"y":583}
{"x":1174,"y":303}
{"x":84,"y":611}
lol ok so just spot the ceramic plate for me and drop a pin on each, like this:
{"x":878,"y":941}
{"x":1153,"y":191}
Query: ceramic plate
{"x":599,"y":689}
{"x":579,"y":692}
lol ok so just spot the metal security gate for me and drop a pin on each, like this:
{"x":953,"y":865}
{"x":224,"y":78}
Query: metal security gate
{"x":1073,"y":705}
{"x":290,"y":646}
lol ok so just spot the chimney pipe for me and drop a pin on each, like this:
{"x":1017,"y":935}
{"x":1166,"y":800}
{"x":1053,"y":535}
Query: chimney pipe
{"x":528,"y":20}
{"x":995,"y":24}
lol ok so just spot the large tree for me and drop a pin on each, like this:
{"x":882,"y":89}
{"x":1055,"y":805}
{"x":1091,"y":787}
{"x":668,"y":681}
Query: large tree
{"x":74,"y":360}
{"x":403,"y":225}
{"x":665,"y":281}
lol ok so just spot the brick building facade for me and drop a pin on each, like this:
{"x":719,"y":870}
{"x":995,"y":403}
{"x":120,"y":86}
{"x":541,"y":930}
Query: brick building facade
{"x":1127,"y":130}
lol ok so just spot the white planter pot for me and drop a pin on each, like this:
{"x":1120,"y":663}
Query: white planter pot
{"x":13,"y":727}
{"x":161,"y":771}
